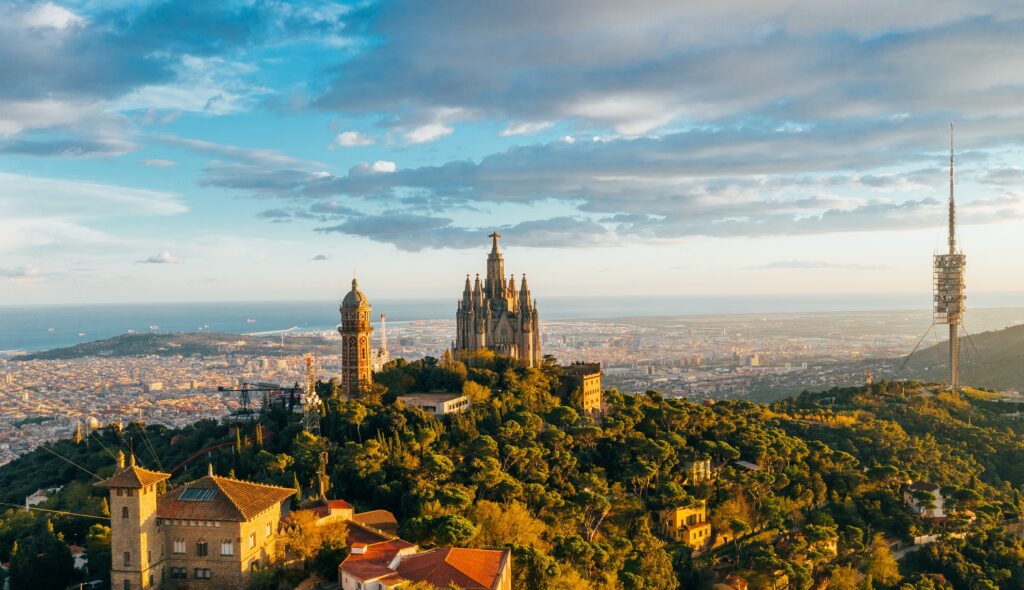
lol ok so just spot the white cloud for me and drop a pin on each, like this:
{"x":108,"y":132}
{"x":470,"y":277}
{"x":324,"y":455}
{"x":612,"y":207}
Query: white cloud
{"x":526,"y":128}
{"x":427,"y":133}
{"x":72,"y":199}
{"x":350,"y":139}
{"x":157,"y":163}
{"x":161,"y":258}
{"x":378,"y":167}
{"x":50,"y":16}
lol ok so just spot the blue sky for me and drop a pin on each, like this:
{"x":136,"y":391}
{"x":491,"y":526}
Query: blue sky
{"x":179,"y":151}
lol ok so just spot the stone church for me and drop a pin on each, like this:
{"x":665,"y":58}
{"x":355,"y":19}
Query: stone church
{"x":497,"y":316}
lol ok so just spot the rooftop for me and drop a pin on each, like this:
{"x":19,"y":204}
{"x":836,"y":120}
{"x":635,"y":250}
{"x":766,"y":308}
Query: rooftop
{"x":213,"y":497}
{"x":431,"y":397}
{"x":469,"y":569}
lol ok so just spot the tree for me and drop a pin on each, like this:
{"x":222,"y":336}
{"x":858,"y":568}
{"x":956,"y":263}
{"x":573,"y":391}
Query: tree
{"x":506,"y":524}
{"x":41,"y":562}
{"x":305,"y":537}
{"x":97,"y":545}
{"x":880,"y":564}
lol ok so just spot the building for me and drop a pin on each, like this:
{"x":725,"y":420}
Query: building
{"x":356,"y":331}
{"x":380,"y":562}
{"x":211,"y":532}
{"x":925,"y":499}
{"x":586,"y":377}
{"x":495,"y":316}
{"x":438,"y":404}
{"x":687,"y":525}
{"x":698,"y":471}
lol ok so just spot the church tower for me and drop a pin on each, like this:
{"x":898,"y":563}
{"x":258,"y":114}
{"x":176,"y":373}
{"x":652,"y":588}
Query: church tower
{"x":135,"y":542}
{"x":493,"y":314}
{"x":355,"y":330}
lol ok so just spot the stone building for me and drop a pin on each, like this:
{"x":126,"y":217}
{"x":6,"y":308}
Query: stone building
{"x":356,"y":332}
{"x":212,"y":532}
{"x":496,"y":316}
{"x":586,"y":377}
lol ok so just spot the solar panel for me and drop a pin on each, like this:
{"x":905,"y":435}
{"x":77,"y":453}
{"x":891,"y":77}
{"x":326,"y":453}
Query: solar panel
{"x":197,"y":494}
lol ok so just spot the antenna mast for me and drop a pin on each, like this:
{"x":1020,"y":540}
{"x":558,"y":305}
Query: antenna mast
{"x":948,"y":283}
{"x":310,"y":400}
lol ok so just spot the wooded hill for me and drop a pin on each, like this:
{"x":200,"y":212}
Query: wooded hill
{"x":576,"y":500}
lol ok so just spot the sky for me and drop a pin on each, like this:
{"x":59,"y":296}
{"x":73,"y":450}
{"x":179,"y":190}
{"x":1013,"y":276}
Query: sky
{"x":267,"y":150}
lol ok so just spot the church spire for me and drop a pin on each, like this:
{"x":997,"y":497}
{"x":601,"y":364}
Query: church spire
{"x":495,"y":283}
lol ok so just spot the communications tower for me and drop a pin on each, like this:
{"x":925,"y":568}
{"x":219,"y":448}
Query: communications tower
{"x":310,"y":400}
{"x":948,"y":283}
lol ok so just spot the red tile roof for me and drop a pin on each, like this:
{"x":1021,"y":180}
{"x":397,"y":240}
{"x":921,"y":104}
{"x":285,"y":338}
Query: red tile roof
{"x":232,"y":499}
{"x":133,"y":477}
{"x":469,"y":569}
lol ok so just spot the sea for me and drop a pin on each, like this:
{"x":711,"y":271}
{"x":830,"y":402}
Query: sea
{"x":32,"y":328}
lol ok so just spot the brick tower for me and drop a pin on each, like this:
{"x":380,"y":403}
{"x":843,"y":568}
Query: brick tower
{"x":355,"y":330}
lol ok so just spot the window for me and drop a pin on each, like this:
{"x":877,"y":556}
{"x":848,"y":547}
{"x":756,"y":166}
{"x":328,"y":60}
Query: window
{"x":127,"y":585}
{"x":130,"y":492}
{"x":252,"y":540}
{"x":201,"y":548}
{"x":127,"y":559}
{"x":120,"y":492}
{"x":201,"y":573}
{"x":179,"y":546}
{"x":179,"y":573}
{"x":227,"y":547}
{"x":124,"y":512}
{"x":268,"y":529}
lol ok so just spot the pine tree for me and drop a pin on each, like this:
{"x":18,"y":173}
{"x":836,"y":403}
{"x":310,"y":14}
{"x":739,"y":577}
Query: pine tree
{"x":298,"y":488}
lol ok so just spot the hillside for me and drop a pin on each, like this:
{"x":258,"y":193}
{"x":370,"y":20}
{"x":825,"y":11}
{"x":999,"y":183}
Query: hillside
{"x":1001,"y":364}
{"x":577,"y":501}
{"x":186,"y":344}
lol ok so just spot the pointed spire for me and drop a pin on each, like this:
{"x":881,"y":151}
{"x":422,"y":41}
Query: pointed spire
{"x":120,"y":459}
{"x":952,"y":202}
{"x":209,"y":468}
{"x":131,"y":460}
{"x":467,"y":289}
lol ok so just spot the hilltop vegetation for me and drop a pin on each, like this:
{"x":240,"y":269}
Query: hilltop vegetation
{"x":575,"y":499}
{"x":185,"y":344}
{"x":991,"y":359}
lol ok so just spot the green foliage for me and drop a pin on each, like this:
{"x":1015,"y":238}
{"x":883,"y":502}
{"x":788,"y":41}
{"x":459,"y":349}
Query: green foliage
{"x":577,"y":500}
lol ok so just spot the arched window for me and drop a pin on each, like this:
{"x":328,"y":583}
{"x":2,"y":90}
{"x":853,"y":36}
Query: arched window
{"x":127,"y":585}
{"x":124,"y":512}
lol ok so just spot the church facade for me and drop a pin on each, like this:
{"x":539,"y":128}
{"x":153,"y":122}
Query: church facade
{"x":493,"y":314}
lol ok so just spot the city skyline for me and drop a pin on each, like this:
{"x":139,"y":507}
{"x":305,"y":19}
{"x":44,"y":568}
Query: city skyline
{"x":261,"y":151}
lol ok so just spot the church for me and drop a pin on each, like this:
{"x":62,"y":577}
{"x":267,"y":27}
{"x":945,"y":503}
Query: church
{"x":496,"y":316}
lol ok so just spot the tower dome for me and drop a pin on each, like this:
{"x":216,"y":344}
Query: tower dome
{"x":355,"y":298}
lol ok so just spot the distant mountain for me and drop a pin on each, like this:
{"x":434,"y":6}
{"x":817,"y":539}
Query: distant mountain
{"x":990,"y":359}
{"x":187,"y":344}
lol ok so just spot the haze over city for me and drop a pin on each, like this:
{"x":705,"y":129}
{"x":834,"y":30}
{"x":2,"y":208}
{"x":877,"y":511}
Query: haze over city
{"x":178,"y":151}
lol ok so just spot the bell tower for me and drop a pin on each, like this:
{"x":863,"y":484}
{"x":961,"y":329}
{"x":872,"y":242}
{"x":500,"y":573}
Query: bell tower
{"x":356,"y":331}
{"x":135,"y":541}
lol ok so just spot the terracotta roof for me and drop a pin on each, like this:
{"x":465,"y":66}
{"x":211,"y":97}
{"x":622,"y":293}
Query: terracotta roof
{"x":469,"y":569}
{"x":380,"y":519}
{"x":358,"y":533}
{"x":366,"y":570}
{"x":325,"y":508}
{"x":134,"y":477}
{"x":76,"y":549}
{"x":229,"y":499}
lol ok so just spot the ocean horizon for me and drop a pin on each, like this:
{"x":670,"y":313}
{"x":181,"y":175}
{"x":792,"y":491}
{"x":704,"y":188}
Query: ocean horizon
{"x":33,"y":328}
